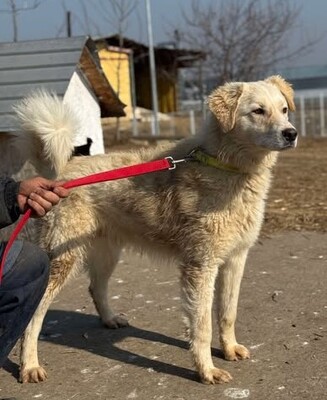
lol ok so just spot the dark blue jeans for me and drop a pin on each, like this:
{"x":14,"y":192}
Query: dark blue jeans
{"x":26,"y":275}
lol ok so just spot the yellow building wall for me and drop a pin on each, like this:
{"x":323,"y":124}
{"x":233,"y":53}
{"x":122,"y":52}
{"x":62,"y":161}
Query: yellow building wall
{"x":115,"y":66}
{"x":166,"y":88}
{"x":166,"y":95}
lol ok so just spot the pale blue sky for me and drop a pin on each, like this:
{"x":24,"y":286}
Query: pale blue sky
{"x":47,"y":21}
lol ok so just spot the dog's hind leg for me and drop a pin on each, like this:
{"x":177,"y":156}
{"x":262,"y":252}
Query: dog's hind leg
{"x":228,"y":287}
{"x":30,"y":370}
{"x":102,"y":261}
{"x":197,"y":292}
{"x":67,"y":241}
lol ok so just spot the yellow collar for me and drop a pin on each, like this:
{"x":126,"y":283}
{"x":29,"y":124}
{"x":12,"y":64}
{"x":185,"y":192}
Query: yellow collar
{"x":206,"y":159}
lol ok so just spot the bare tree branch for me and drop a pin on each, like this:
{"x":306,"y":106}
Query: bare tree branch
{"x":8,"y":10}
{"x":15,"y":10}
{"x":242,"y":38}
{"x":117,"y":12}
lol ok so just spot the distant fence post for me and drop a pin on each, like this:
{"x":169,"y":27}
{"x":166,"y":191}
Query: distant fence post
{"x":322,"y":114}
{"x":192,"y":122}
{"x":172,"y":124}
{"x":153,"y":122}
{"x":302,"y":111}
{"x":204,"y":112}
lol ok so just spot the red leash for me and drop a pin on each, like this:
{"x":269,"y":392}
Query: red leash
{"x":124,"y":172}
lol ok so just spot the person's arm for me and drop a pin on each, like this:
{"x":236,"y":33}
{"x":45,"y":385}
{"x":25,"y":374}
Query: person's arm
{"x":9,"y":209}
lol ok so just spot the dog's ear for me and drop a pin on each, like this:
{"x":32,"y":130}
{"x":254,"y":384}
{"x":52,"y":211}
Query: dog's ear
{"x":285,"y":88}
{"x":223,"y":104}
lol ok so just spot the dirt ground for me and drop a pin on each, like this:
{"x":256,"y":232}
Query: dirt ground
{"x":298,"y":198}
{"x":282,"y":315}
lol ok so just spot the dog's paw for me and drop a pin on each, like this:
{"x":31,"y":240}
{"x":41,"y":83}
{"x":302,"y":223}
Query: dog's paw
{"x":33,"y":375}
{"x":236,"y":352}
{"x":215,"y":375}
{"x":116,"y":322}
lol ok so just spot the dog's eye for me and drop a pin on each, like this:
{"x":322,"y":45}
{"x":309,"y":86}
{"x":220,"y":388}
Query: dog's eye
{"x":259,"y":111}
{"x":285,"y":109}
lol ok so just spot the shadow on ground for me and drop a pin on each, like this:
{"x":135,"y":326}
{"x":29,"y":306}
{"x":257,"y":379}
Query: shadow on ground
{"x":103,"y":342}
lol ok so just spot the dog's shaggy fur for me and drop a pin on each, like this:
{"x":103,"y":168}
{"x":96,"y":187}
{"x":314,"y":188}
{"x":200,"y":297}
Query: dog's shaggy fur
{"x":204,"y":218}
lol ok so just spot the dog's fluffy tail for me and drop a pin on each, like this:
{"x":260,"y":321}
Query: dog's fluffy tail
{"x":52,"y":123}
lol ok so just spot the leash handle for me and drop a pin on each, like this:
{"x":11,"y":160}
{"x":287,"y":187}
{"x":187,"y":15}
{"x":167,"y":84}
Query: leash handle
{"x":119,"y":173}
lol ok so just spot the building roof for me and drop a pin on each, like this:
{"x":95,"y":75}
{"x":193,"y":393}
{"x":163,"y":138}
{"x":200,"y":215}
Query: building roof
{"x":307,"y":77}
{"x":50,"y":64}
{"x":305,"y":72}
{"x":180,"y":58}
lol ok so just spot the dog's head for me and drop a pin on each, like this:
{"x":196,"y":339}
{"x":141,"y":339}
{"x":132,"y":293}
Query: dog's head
{"x":256,"y":113}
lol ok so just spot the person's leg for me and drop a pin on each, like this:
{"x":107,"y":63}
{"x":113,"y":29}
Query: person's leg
{"x":25,"y":279}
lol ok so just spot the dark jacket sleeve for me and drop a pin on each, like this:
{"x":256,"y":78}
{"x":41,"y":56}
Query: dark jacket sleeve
{"x":9,"y":210}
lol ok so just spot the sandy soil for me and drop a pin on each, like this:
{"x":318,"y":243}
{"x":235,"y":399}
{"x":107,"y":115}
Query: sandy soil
{"x":298,"y":197}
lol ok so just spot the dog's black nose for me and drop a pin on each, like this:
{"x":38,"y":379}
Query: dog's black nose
{"x":290,"y":134}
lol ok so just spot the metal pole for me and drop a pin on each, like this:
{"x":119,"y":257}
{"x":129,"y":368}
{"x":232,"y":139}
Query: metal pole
{"x":156,"y":128}
{"x":69,"y":25}
{"x":132,"y":75}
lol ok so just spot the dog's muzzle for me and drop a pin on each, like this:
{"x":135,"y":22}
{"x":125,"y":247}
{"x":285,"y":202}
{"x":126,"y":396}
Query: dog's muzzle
{"x":290,"y":135}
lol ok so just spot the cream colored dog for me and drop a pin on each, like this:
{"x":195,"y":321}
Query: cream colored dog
{"x":205,"y":214}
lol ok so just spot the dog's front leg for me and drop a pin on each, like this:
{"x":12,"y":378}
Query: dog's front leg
{"x":228,"y":288}
{"x":197,"y":292}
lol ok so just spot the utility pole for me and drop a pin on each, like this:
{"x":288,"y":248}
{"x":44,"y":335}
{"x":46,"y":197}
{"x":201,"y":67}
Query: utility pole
{"x":14,"y":13}
{"x":155,"y":126}
{"x":69,"y":24}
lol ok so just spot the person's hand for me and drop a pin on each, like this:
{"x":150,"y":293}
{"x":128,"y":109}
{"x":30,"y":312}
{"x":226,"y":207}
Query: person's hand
{"x":40,"y":194}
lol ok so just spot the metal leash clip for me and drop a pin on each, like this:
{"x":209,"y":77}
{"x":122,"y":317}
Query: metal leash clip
{"x":173,"y":162}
